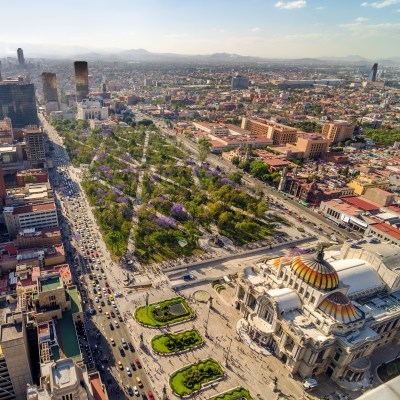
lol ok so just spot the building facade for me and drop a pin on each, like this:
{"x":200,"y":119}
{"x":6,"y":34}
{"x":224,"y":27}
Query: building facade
{"x":18,"y":102}
{"x":81,"y":80}
{"x":322,"y":314}
{"x":338,"y":131}
{"x":34,"y":140}
{"x":49,"y":85}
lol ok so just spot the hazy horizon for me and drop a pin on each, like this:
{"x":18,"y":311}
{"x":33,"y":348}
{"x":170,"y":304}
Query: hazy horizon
{"x":268,"y":29}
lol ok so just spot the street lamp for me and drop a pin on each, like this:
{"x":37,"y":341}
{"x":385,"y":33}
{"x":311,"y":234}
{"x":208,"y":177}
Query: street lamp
{"x":227,"y":353}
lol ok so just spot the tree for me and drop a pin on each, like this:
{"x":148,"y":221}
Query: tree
{"x":30,"y":179}
{"x":204,"y":149}
{"x":258,"y":168}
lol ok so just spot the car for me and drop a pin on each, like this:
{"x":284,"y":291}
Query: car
{"x":109,"y":302}
{"x":111,"y":326}
{"x":150,"y":395}
{"x":120,"y":319}
{"x":92,"y":311}
{"x":129,"y":390}
{"x":108,"y":315}
{"x":136,"y":391}
{"x":188,"y":277}
{"x":99,"y":309}
{"x":112,"y":313}
{"x":124,"y":344}
{"x":110,"y":296}
{"x":116,"y":324}
{"x":128,"y":371}
{"x":120,"y":366}
{"x":310,"y":384}
{"x":131,"y":348}
{"x":139,"y":365}
{"x":133,"y":365}
{"x":112,"y":341}
{"x":139,"y":382}
{"x":121,"y":351}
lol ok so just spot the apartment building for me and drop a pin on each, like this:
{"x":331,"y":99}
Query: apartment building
{"x":338,"y":131}
{"x":34,"y":140}
{"x":312,"y":146}
{"x":30,"y":216}
{"x":278,"y":133}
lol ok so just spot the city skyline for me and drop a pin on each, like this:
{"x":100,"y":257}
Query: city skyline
{"x":272,"y":29}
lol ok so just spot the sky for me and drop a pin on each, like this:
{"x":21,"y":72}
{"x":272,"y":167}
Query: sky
{"x":264,"y":28}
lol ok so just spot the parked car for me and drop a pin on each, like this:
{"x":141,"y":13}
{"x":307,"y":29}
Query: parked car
{"x":310,"y":384}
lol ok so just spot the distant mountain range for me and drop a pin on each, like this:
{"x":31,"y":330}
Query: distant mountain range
{"x":142,"y":55}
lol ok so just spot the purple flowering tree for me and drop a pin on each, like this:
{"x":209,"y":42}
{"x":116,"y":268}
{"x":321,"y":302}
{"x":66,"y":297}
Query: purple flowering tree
{"x":166,"y":222}
{"x":178,"y":211}
{"x":226,"y":181}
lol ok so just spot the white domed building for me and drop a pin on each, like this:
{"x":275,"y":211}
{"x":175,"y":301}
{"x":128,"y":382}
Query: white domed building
{"x":324,"y":314}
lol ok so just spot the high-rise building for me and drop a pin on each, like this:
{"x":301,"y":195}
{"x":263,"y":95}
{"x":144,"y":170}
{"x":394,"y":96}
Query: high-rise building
{"x":239,"y":82}
{"x":18,"y":102}
{"x":34,"y":140}
{"x":373,"y":73}
{"x":81,"y":80}
{"x":21,"y":58}
{"x":6,"y":131}
{"x":49,"y":84}
{"x":338,"y":131}
{"x":15,"y":349}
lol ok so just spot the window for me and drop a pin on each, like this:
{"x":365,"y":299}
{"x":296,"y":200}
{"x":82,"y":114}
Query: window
{"x":338,"y":354}
{"x":301,"y":290}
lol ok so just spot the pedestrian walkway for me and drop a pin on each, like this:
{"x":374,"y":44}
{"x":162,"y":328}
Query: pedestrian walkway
{"x":241,"y":329}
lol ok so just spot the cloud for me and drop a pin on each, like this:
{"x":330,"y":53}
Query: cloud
{"x":218,"y":30}
{"x":381,"y":4}
{"x":290,"y":5}
{"x":359,"y":28}
{"x":320,"y":8}
{"x":256,"y":29}
{"x":361,"y":19}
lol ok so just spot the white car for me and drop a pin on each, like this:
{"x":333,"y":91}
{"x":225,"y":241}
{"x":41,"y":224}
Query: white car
{"x":136,"y":391}
{"x":116,"y":324}
{"x":128,"y":371}
{"x":96,"y":299}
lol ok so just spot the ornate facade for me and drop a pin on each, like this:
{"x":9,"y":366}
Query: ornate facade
{"x":322,"y":314}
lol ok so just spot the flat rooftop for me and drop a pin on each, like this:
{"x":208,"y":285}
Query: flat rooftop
{"x":49,"y":284}
{"x":64,"y":373}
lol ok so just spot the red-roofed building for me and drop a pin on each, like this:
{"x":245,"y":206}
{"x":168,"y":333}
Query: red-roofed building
{"x":99,"y":390}
{"x":363,"y":204}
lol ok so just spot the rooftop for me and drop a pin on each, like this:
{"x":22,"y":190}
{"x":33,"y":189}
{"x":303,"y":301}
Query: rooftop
{"x":50,"y":284}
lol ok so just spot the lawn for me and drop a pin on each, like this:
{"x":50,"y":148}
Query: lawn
{"x":189,"y":379}
{"x":234,"y":394}
{"x":172,"y":343}
{"x":164,"y":313}
{"x":389,"y":370}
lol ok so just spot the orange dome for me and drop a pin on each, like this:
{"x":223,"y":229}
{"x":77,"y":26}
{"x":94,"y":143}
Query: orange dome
{"x":340,"y":308}
{"x":315,"y":271}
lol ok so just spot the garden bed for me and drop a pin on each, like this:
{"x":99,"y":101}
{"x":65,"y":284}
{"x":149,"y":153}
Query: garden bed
{"x":190,"y":379}
{"x":164,"y":313}
{"x":390,"y":370}
{"x":234,"y":394}
{"x":173,"y":343}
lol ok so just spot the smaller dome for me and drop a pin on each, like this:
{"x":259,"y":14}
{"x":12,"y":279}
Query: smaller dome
{"x":277,"y":262}
{"x":340,"y":308}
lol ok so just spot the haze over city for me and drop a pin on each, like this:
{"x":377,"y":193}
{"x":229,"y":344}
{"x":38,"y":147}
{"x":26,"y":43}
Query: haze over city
{"x":284,"y":29}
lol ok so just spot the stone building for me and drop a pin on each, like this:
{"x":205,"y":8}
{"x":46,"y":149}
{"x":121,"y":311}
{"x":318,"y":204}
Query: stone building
{"x":323,"y":314}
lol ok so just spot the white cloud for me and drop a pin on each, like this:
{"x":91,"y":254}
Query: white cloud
{"x":256,"y":29}
{"x":361,"y":19}
{"x":290,"y":5}
{"x":320,"y":8}
{"x":381,"y":4}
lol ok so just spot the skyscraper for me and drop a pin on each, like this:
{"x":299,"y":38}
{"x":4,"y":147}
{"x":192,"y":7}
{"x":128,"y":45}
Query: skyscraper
{"x":49,"y":84}
{"x":239,"y":82}
{"x":81,"y":80}
{"x":372,"y":74}
{"x":34,"y":139}
{"x":21,"y":59}
{"x":18,"y":102}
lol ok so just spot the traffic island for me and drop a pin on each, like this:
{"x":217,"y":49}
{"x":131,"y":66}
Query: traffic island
{"x":188,"y":380}
{"x":164,"y":313}
{"x":170,"y":343}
